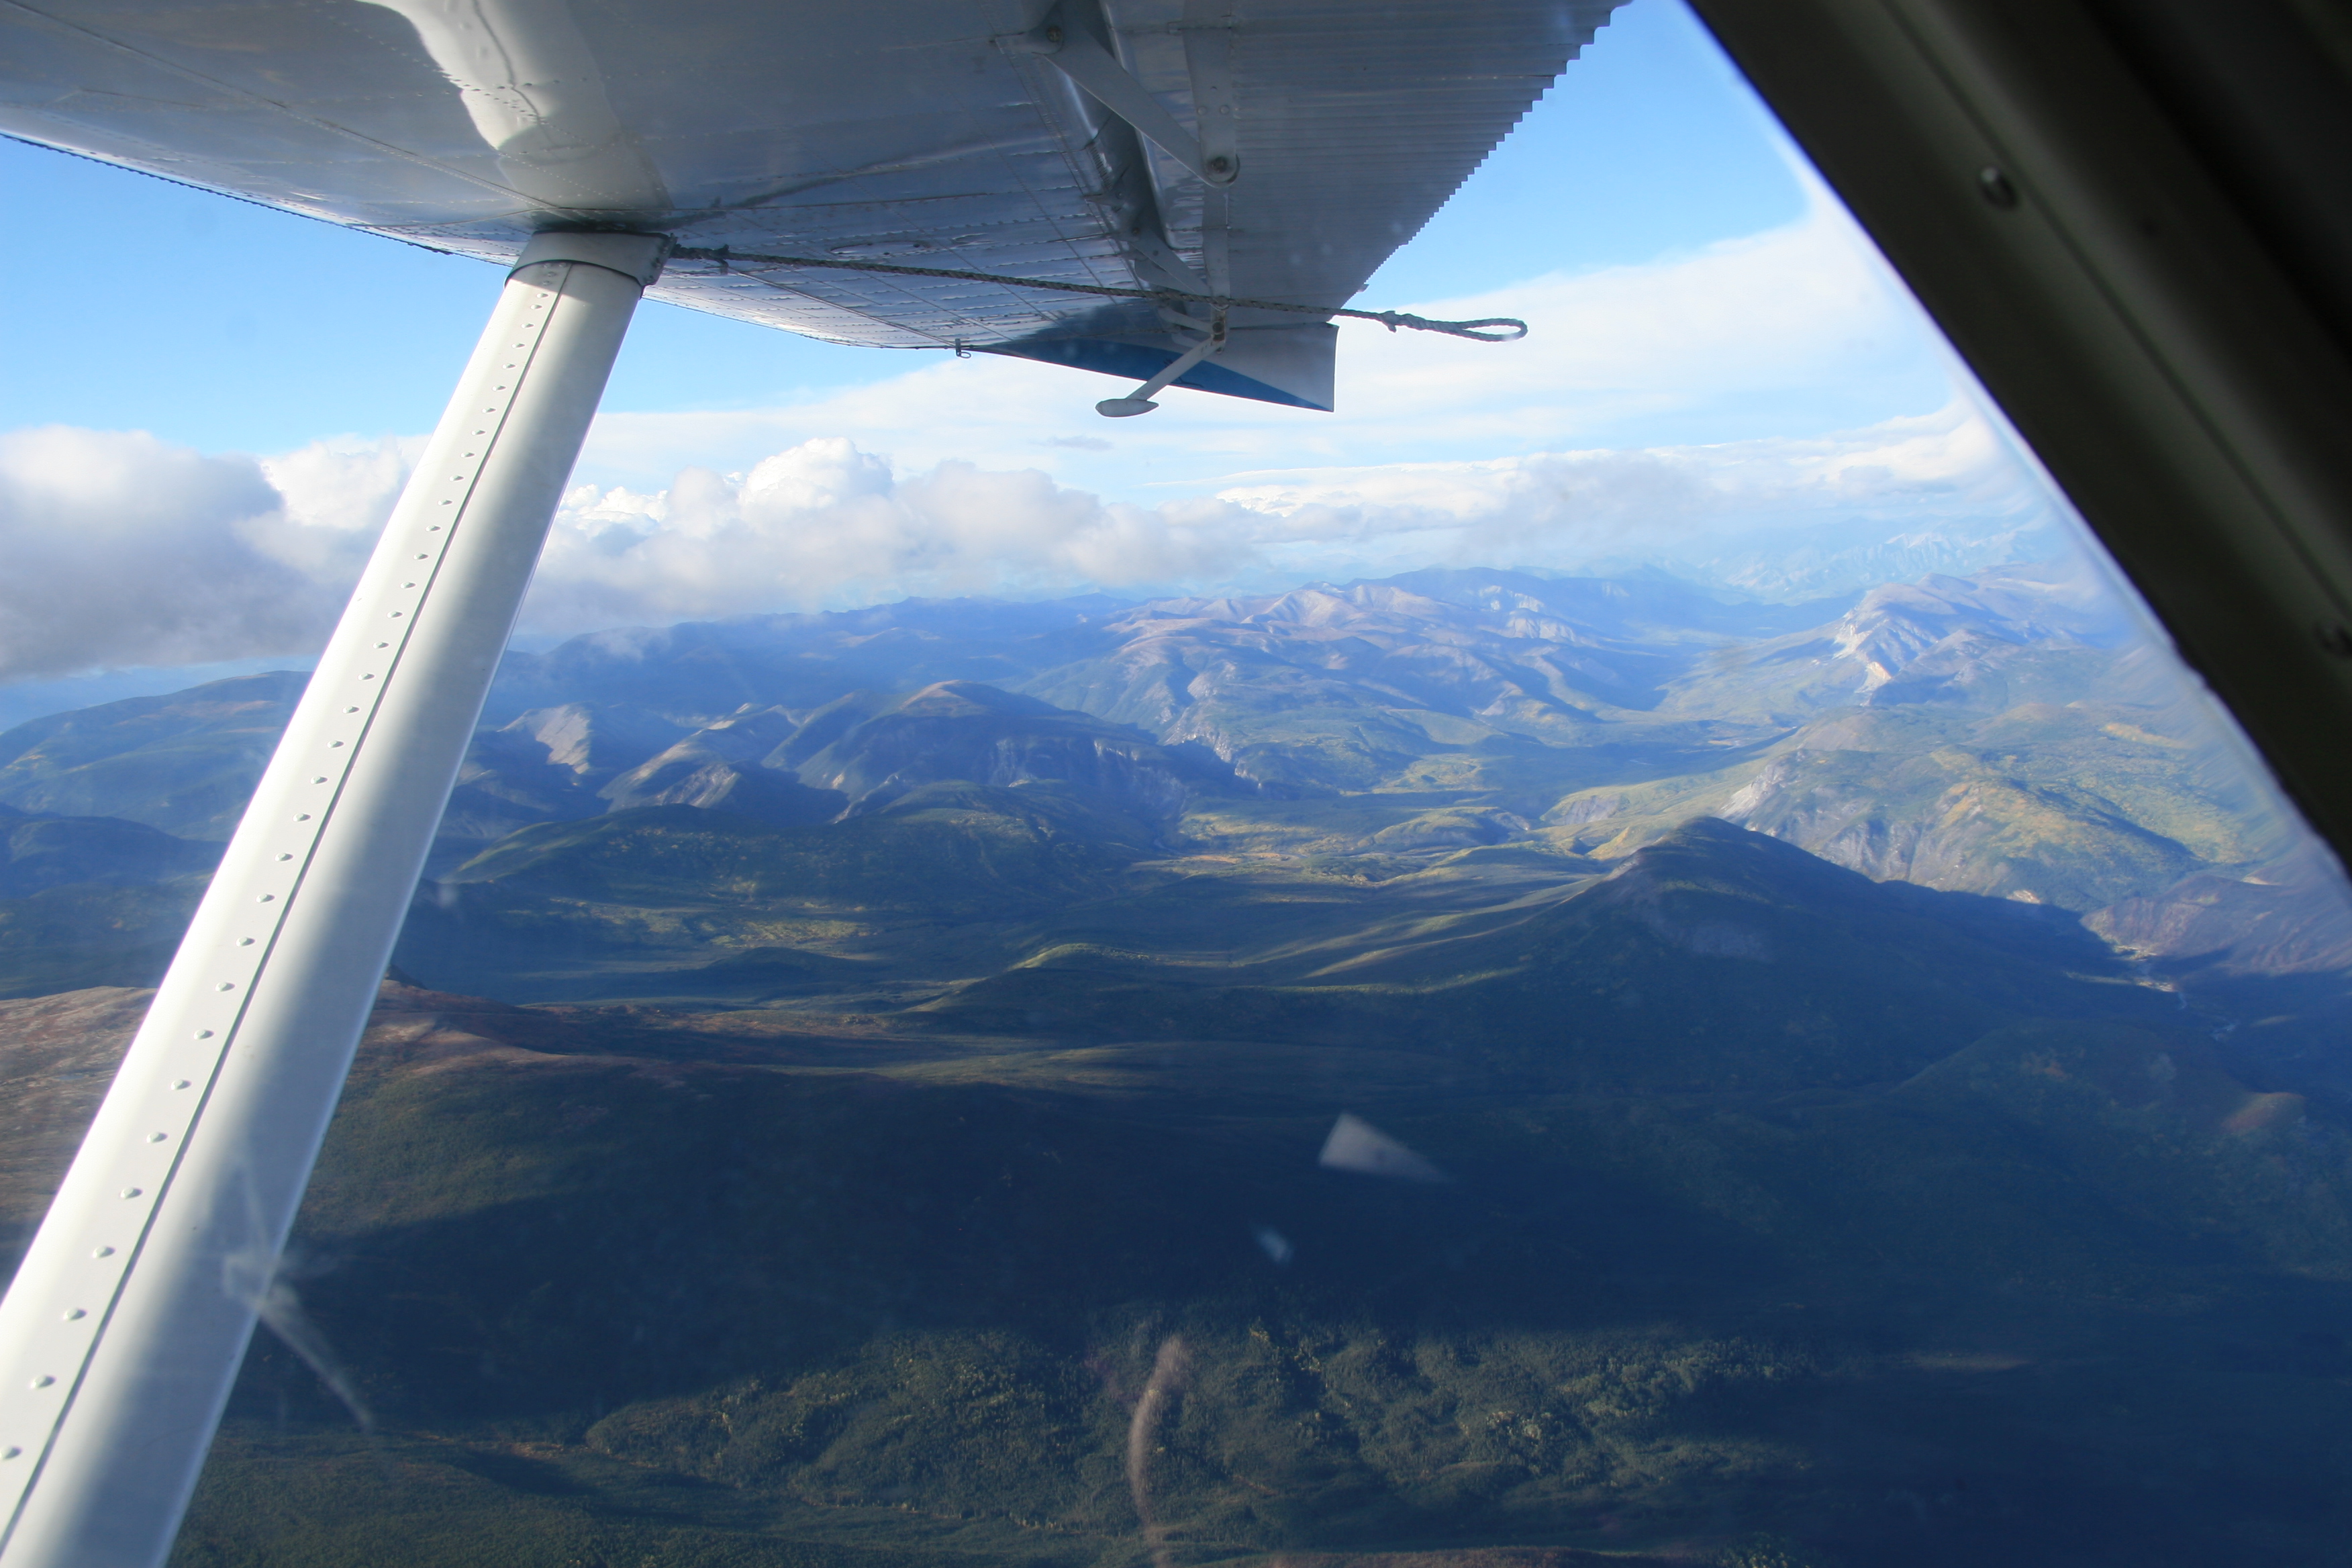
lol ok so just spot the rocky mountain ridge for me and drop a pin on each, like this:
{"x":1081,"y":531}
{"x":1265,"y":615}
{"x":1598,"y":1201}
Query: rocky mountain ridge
{"x":2008,"y":733}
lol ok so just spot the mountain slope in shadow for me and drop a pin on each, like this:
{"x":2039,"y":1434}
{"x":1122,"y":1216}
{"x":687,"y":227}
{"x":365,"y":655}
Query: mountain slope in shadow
{"x":1714,"y":957}
{"x":2044,"y":1282}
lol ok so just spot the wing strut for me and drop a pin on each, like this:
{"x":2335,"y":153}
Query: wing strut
{"x":124,"y":1328}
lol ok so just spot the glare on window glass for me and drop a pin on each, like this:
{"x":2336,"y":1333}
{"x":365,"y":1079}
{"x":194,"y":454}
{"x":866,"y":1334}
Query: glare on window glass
{"x":1621,"y":946}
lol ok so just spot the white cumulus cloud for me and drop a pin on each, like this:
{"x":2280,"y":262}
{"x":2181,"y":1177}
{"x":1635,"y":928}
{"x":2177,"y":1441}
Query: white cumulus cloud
{"x":124,"y":550}
{"x":128,"y":551}
{"x":824,"y":523}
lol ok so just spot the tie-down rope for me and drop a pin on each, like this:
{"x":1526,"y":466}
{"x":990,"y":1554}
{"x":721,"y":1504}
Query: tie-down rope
{"x":1513,"y":330}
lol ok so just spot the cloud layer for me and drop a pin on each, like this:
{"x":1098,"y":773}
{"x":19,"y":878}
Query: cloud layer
{"x":127,"y":552}
{"x":122,"y":550}
{"x":993,"y":476}
{"x":1661,"y":504}
{"x":827,"y":524}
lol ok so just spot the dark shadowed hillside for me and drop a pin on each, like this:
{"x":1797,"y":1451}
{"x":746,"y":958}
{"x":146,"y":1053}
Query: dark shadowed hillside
{"x":1872,"y":1193}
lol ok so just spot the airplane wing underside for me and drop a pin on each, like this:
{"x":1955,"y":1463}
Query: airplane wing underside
{"x":1276,"y":150}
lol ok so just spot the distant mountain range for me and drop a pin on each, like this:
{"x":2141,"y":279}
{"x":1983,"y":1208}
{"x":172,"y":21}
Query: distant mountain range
{"x":1464,"y":1069}
{"x":2005,"y":734}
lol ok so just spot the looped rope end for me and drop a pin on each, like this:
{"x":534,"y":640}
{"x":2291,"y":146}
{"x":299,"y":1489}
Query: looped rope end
{"x":1513,"y":329}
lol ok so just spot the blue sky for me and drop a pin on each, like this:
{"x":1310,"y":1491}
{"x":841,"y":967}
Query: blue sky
{"x":225,"y":326}
{"x":201,"y":382}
